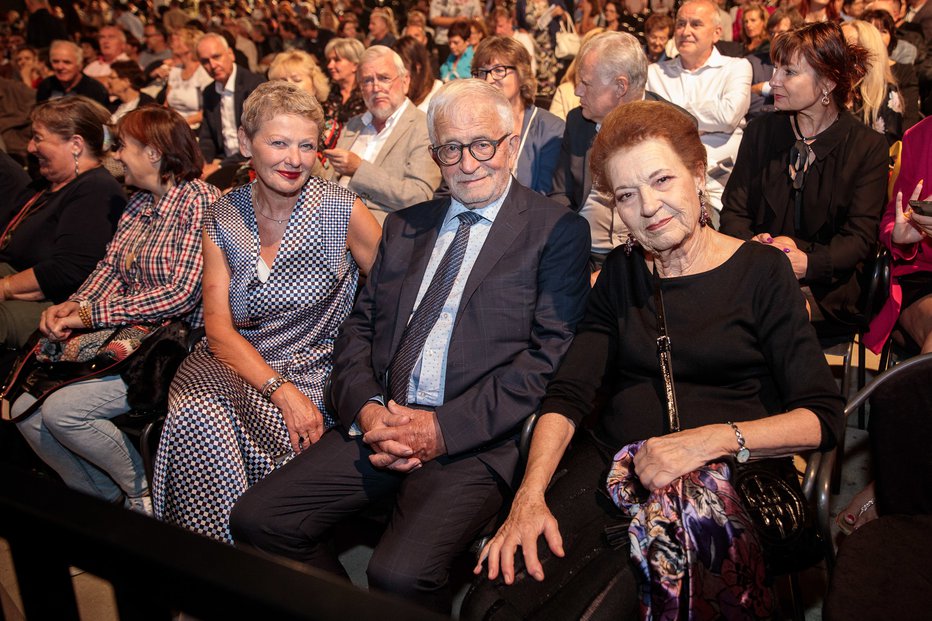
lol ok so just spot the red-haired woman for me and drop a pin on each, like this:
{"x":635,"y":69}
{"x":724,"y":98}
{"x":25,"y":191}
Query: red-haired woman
{"x":810,"y":178}
{"x":151,"y":272}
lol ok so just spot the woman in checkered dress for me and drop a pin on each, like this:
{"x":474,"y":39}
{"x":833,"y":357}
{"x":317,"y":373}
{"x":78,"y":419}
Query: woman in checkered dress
{"x":281,"y":260}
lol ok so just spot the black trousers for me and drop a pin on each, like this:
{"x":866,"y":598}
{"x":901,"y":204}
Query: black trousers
{"x":594,"y":579}
{"x":437,"y":512}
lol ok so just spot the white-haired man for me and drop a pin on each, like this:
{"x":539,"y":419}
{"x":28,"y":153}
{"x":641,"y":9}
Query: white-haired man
{"x":112,"y":41}
{"x":382,"y":154}
{"x":469,"y":307}
{"x":715,"y":89}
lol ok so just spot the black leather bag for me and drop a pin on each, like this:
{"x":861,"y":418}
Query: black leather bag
{"x":149,"y":371}
{"x":771,"y":494}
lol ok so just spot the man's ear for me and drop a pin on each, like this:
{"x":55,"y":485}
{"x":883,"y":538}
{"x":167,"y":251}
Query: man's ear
{"x":622,"y":84}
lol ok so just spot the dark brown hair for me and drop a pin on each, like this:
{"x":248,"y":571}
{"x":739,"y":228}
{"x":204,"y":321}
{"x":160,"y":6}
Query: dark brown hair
{"x":656,"y":21}
{"x":460,"y":28}
{"x":417,"y":62}
{"x":633,"y":123}
{"x":167,"y":131}
{"x":823,"y":46}
{"x":510,"y":52}
{"x":75,"y":116}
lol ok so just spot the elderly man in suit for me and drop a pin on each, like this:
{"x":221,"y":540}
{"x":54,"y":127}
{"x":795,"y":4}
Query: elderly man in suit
{"x":223,"y":107}
{"x":469,"y":308}
{"x":612,"y":70}
{"x":382,"y":154}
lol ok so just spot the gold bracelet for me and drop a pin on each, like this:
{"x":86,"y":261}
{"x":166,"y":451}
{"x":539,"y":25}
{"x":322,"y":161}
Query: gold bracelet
{"x":84,"y":312}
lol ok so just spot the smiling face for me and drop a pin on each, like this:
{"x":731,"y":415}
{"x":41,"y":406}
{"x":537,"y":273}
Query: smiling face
{"x":657,"y":40}
{"x":695,"y":32}
{"x":473,"y":183}
{"x":656,"y":196}
{"x":796,"y":86}
{"x":54,"y":153}
{"x":283,"y":152}
{"x":65,"y":65}
{"x":138,"y":162}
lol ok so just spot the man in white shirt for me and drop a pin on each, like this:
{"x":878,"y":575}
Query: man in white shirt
{"x":715,"y":89}
{"x":112,"y":41}
{"x":504,"y":23}
{"x":382,"y":154}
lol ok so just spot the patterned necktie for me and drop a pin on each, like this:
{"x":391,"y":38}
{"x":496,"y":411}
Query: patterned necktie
{"x":424,"y":318}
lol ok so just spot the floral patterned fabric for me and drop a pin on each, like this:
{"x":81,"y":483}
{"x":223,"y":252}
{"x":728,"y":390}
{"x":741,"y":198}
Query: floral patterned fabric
{"x":694,"y":544}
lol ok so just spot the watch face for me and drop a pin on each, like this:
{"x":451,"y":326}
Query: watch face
{"x":743,"y":455}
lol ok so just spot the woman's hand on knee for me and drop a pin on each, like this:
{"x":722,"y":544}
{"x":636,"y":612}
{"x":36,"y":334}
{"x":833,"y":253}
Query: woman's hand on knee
{"x":528,"y":520}
{"x":303,"y":419}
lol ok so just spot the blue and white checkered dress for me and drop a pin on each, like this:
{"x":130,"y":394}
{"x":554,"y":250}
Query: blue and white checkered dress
{"x":221,"y":436}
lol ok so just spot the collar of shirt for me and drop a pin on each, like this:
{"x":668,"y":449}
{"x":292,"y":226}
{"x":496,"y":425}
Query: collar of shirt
{"x":488,"y":213}
{"x":714,"y":61}
{"x":230,"y":86}
{"x":367,"y":118}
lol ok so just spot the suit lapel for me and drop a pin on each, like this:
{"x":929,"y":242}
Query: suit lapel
{"x":422,"y":236}
{"x":510,"y":221}
{"x":398,"y":131}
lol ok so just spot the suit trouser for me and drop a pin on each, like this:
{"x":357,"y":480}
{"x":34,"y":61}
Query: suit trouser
{"x":438,"y":510}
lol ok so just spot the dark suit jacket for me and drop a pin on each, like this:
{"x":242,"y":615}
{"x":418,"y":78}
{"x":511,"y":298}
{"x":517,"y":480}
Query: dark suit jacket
{"x":211,"y":132}
{"x":523,"y":298}
{"x":843,"y":199}
{"x":572,"y":180}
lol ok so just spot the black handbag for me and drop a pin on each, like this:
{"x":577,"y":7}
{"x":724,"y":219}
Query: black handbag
{"x":769,"y":488}
{"x":147,"y":371}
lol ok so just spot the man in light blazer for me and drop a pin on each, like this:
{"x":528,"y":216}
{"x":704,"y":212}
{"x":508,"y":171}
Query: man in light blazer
{"x":382,"y":154}
{"x":432,"y":428}
{"x":223,"y":107}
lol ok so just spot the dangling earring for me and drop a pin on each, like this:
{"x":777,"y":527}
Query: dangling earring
{"x":825,"y":99}
{"x":704,"y":218}
{"x":77,"y":169}
{"x":629,"y":244}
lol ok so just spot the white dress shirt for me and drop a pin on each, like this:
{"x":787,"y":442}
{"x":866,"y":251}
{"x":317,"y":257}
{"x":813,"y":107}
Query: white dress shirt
{"x":718,"y":95}
{"x":228,"y":120}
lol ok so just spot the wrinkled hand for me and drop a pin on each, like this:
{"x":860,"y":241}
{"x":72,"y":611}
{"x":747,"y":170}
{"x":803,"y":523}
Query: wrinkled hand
{"x":529,"y":519}
{"x":662,"y":459}
{"x":343,"y":161}
{"x":406,"y":428}
{"x":304,"y":421}
{"x":909,"y":226}
{"x":57,"y":322}
{"x":390,"y":455}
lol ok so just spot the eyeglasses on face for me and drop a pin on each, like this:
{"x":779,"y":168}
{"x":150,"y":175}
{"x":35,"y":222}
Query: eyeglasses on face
{"x":498,"y":72}
{"x":482,"y":150}
{"x":384,"y":82}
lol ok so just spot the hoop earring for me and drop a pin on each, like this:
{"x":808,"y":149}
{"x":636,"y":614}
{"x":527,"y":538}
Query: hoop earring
{"x":629,"y":244}
{"x":704,"y":218}
{"x":77,"y":169}
{"x":825,"y":100}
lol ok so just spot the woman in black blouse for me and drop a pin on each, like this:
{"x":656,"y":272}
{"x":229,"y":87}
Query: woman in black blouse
{"x":743,"y":351}
{"x":811,"y":179}
{"x":56,"y":231}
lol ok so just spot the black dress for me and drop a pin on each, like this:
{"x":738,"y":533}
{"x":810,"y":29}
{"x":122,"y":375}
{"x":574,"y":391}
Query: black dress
{"x":743,"y":349}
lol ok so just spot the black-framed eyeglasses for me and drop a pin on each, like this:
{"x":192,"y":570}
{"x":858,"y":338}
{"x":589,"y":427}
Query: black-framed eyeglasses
{"x":498,"y":72}
{"x":482,"y":150}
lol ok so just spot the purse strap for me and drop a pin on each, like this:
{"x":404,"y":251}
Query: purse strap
{"x":665,"y":356}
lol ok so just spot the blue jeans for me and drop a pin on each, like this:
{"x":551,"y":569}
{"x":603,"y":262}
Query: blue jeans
{"x":71,"y":431}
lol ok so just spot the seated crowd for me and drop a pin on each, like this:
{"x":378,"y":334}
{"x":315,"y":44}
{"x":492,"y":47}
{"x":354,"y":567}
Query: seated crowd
{"x":402,"y":240}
